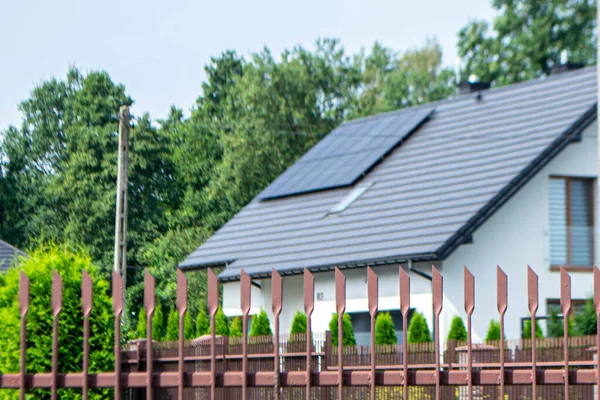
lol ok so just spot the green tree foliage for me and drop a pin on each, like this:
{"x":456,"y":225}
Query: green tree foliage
{"x":348,"y":338}
{"x":527,"y":330}
{"x":457,"y":329}
{"x":141,"y":328}
{"x":158,"y":323}
{"x":173,"y":326}
{"x":385,"y":332}
{"x":585,"y":321}
{"x":298,"y":323}
{"x":261,"y":325}
{"x":202,"y":322}
{"x":221,"y":325}
{"x":527,"y":38}
{"x":418,"y":331}
{"x":235,"y":329}
{"x":389,"y":81}
{"x":38,"y":267}
{"x":493,"y":332}
{"x":556,"y":325}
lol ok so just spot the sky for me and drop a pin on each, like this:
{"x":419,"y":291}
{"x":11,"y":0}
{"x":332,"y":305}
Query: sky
{"x":158,"y":49}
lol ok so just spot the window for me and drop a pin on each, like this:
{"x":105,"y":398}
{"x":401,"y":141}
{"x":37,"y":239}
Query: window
{"x":571,"y":222}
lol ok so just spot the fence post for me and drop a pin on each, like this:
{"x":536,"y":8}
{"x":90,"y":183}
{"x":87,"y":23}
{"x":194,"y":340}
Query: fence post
{"x":325,"y":363}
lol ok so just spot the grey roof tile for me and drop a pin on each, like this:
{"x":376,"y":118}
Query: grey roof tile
{"x":426,"y":196}
{"x":8,"y":254}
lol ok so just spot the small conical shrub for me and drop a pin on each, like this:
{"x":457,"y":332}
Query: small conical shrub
{"x":202,"y":322}
{"x":385,"y":332}
{"x":299,"y":323}
{"x":173,"y":326}
{"x":527,"y":330}
{"x":556,"y":325}
{"x":261,"y":325}
{"x":585,"y":321}
{"x":235,"y":329}
{"x":348,"y":338}
{"x":158,"y":323}
{"x":493,"y":332}
{"x":458,"y":331}
{"x":418,"y":331}
{"x":221,"y":326}
{"x":140,"y":330}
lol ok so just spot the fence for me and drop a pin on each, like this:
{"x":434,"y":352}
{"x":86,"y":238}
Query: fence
{"x":283,"y":370}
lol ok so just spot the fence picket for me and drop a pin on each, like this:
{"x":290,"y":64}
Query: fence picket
{"x":438,"y":301}
{"x":309,"y":306}
{"x":404,"y":309}
{"x":117,"y":300}
{"x":149,"y":304}
{"x":56,"y":309}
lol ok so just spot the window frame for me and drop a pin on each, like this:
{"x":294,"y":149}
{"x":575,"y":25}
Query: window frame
{"x":569,"y":266}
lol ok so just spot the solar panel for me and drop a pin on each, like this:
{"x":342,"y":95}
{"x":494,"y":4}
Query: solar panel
{"x":347,"y":153}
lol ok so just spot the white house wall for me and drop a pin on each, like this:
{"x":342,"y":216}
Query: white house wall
{"x":514,"y":237}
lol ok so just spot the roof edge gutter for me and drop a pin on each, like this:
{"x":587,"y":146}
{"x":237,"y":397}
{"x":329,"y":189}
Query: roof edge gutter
{"x":418,"y":272}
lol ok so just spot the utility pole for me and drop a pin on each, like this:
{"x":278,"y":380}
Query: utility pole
{"x":120,"y":265}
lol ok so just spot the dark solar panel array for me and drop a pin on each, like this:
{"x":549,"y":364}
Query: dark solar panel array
{"x":346,"y":154}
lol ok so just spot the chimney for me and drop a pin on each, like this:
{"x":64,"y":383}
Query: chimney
{"x":472,"y":87}
{"x":558,"y":69}
{"x":564,"y":65}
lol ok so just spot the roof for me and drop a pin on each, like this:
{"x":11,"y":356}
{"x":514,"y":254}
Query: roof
{"x":426,"y":197}
{"x":8,"y":253}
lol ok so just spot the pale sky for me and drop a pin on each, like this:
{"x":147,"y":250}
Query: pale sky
{"x":158,"y":48}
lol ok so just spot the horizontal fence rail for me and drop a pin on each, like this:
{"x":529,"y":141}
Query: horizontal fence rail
{"x":308,"y":366}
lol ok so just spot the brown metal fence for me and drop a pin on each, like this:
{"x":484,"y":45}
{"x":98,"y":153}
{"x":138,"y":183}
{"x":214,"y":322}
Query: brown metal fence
{"x":309,"y":367}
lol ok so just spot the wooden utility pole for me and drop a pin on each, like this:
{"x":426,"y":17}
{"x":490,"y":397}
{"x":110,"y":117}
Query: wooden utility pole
{"x":120,"y":265}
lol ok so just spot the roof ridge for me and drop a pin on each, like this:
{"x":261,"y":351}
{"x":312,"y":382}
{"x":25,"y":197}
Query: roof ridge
{"x":463,"y":96}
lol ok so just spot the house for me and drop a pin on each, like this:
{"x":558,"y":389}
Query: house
{"x":492,"y":177}
{"x":8,"y":254}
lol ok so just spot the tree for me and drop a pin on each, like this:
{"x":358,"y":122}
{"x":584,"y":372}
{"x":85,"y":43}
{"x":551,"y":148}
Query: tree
{"x":261,"y":325}
{"x":202,"y":322}
{"x":585,"y":321}
{"x":556,"y":325}
{"x":391,"y":81}
{"x":235,"y":330}
{"x":348,"y":338}
{"x":140,"y":330}
{"x":418,"y":331}
{"x":527,"y":39}
{"x":158,"y":323}
{"x":457,"y":329}
{"x":527,"y":330}
{"x":221,"y":326}
{"x":173,"y":326}
{"x":493,"y":332}
{"x":298,"y":323}
{"x":385,"y":332}
{"x":38,"y":266}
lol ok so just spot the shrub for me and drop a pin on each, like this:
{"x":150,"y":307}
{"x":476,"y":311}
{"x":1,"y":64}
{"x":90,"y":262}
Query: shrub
{"x":140,"y":330}
{"x":235,"y":329}
{"x":585,"y":322}
{"x":493,"y":332}
{"x":348,"y":338}
{"x":38,"y":267}
{"x":418,"y":331}
{"x":527,"y":330}
{"x":556,"y":325}
{"x":173,"y":326}
{"x":158,"y":323}
{"x":299,"y":323}
{"x":221,"y":326}
{"x":202,"y":322}
{"x":457,"y":330}
{"x":385,"y":332}
{"x":261,"y":325}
